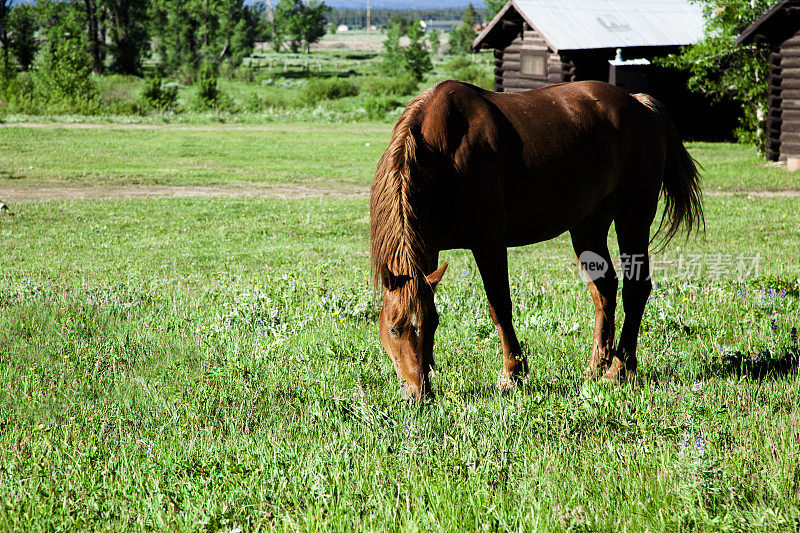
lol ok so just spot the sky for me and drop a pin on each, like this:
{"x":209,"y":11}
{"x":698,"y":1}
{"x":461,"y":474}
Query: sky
{"x":402,"y":4}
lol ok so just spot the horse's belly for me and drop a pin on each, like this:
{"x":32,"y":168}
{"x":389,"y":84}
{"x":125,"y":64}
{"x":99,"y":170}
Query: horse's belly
{"x":541,"y":209}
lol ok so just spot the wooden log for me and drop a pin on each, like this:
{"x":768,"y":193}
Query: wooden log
{"x":788,"y":147}
{"x":790,"y":114}
{"x":524,"y":83}
{"x":790,"y":85}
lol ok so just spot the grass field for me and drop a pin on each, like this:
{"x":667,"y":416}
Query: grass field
{"x":295,"y":152}
{"x":211,"y":363}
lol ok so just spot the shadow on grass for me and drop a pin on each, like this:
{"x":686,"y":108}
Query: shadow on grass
{"x":756,"y":365}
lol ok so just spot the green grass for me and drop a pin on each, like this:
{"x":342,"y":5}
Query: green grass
{"x":192,"y":155}
{"x":731,"y":167}
{"x":211,"y":364}
{"x":224,"y":154}
{"x":214,"y":363}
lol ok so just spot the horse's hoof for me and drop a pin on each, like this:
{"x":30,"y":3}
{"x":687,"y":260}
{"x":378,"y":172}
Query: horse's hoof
{"x":617,"y":372}
{"x":506,"y":382}
{"x":594,"y":371}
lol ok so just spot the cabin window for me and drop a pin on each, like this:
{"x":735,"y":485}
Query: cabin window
{"x":533,"y":63}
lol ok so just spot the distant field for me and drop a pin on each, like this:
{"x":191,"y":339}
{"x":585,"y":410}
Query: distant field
{"x":213,"y":363}
{"x":192,"y":155}
{"x":292,"y":152}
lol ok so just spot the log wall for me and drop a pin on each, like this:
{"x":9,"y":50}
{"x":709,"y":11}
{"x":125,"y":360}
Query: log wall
{"x":508,"y":68}
{"x":783,"y":121}
{"x":774,"y":111}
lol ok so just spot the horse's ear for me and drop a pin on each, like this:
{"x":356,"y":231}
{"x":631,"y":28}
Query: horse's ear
{"x":436,"y":277}
{"x":390,"y":281}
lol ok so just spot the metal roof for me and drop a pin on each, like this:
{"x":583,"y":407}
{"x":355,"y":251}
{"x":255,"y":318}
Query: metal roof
{"x":586,"y":24}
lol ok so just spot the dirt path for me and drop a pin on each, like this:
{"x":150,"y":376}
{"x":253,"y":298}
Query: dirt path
{"x":10,"y":194}
{"x":310,"y":126}
{"x":322,"y":189}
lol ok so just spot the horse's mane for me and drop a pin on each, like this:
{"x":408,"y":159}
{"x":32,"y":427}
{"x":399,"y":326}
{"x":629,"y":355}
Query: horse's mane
{"x":398,"y":195}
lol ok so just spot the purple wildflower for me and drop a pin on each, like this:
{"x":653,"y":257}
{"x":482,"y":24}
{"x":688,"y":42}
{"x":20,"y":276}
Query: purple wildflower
{"x":700,"y":444}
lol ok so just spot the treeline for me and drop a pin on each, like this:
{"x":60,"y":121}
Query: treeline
{"x":381,"y":17}
{"x":120,"y":36}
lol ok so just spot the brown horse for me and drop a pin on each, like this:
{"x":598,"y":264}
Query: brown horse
{"x":469,"y":168}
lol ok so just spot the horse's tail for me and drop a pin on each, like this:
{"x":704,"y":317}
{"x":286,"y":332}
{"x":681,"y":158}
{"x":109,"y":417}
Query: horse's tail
{"x":683,"y":196}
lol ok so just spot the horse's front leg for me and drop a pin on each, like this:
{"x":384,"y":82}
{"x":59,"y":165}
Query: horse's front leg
{"x":493,"y":265}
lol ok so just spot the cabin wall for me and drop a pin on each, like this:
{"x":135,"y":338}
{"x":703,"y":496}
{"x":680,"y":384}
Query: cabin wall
{"x":772,"y":149}
{"x":787,"y":104}
{"x":508,"y":69}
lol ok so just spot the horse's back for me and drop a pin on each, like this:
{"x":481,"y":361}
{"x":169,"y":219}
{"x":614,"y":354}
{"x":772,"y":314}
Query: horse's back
{"x":545,"y":158}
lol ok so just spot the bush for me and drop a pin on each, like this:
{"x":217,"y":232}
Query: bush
{"x":208,"y":93}
{"x":457,"y":62}
{"x":115,"y":95}
{"x":327,"y":89}
{"x":66,"y":75}
{"x":157,"y":95}
{"x":463,"y":69}
{"x":401,"y":85}
{"x":377,"y":106}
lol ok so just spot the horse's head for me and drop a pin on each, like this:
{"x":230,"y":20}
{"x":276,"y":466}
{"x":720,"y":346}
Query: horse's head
{"x":407,"y":325}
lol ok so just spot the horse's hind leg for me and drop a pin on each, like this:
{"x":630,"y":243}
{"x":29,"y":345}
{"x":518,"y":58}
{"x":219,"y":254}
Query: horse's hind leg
{"x":589,"y":241}
{"x":634,"y":238}
{"x":492,"y":262}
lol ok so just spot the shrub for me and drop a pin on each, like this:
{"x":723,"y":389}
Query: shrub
{"x":115,"y":95}
{"x":462,"y":68}
{"x":475,"y":75}
{"x":66,"y":75}
{"x":22,"y":95}
{"x":327,"y":89}
{"x":157,"y":95}
{"x":401,"y":85}
{"x":377,"y":106}
{"x":456,"y":63}
{"x":208,"y":93}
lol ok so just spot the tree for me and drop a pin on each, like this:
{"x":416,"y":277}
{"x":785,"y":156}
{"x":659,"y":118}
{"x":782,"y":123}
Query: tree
{"x":494,"y":6}
{"x":128,"y":34}
{"x":65,"y":69}
{"x":719,"y":68}
{"x":193,"y":32}
{"x":5,"y":10}
{"x":22,"y":23}
{"x":461,"y":38}
{"x":414,"y":59}
{"x":298,"y":23}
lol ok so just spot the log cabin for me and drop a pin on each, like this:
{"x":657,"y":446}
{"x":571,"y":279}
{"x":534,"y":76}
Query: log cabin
{"x":779,"y":30}
{"x":543,"y":42}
